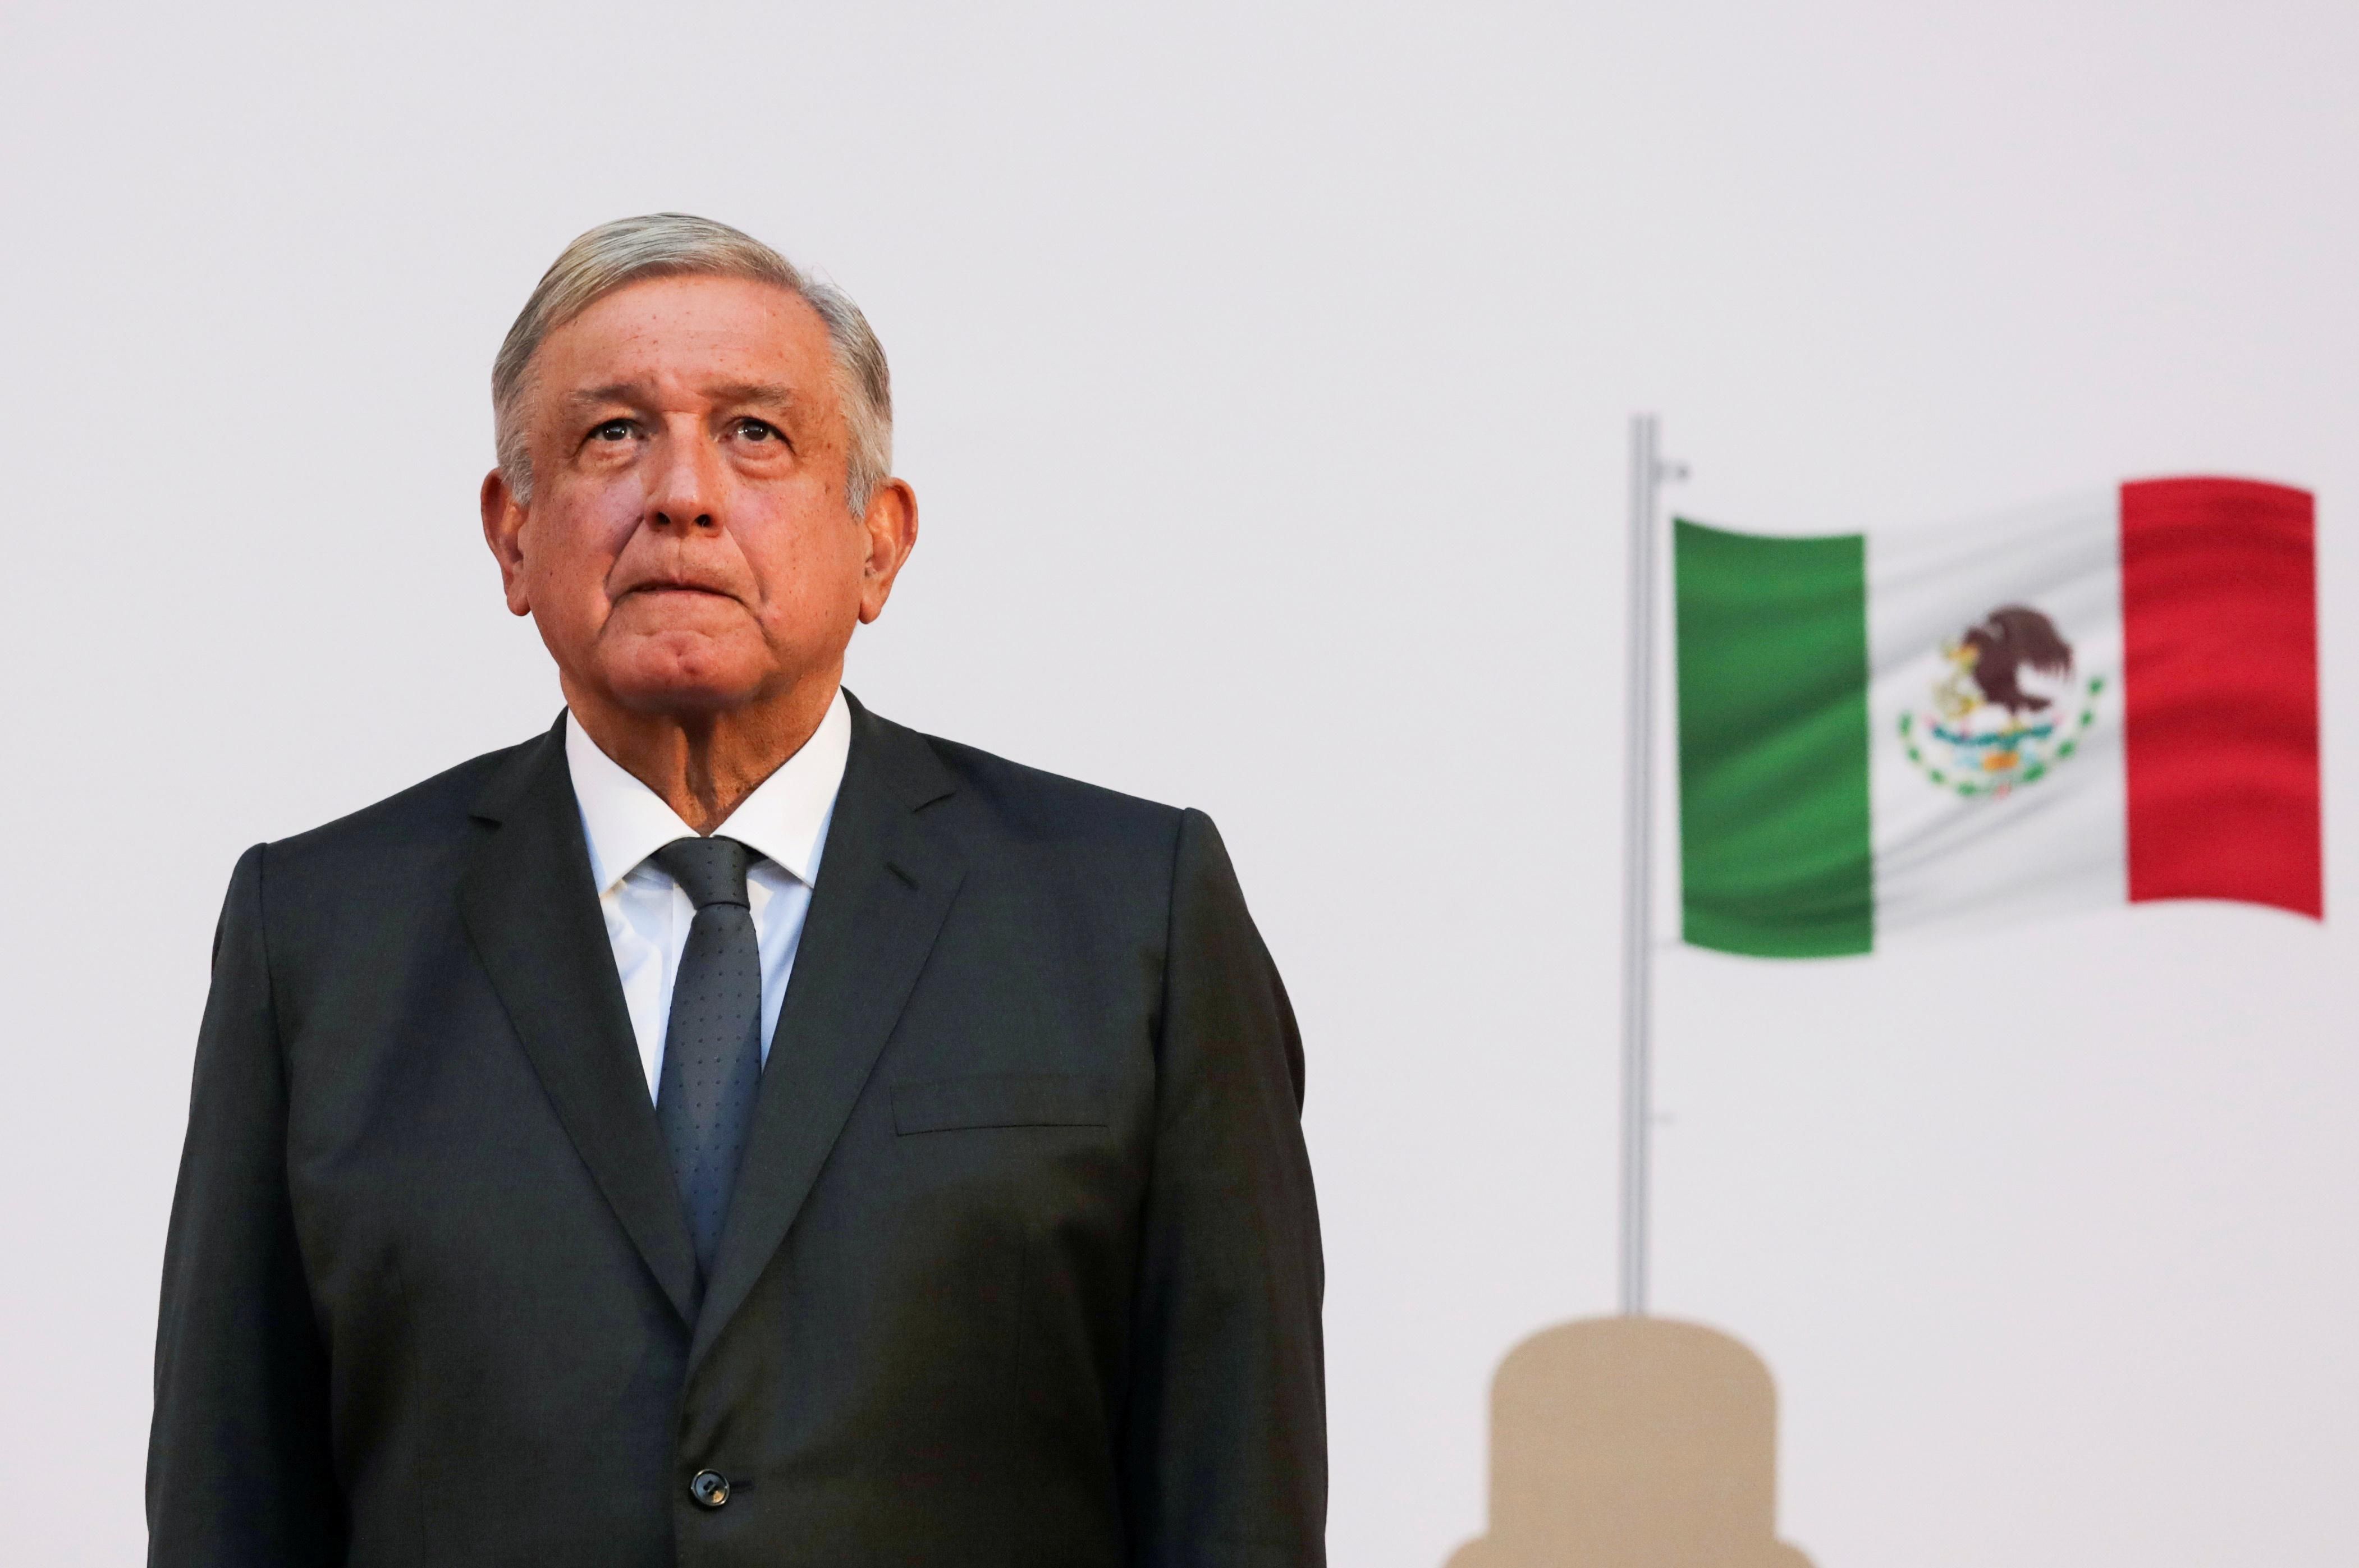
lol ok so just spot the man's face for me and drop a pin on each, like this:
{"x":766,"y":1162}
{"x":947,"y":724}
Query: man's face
{"x":687,"y":550}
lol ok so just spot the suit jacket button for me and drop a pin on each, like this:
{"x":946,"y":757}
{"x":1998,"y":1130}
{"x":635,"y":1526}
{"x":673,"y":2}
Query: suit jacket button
{"x":710,"y":1489}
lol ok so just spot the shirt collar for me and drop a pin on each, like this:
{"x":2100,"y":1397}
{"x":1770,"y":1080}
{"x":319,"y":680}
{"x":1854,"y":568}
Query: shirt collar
{"x":784,"y":819}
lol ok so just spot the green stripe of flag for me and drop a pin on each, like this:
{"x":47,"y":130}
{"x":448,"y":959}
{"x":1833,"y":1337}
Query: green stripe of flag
{"x":1774,"y":851}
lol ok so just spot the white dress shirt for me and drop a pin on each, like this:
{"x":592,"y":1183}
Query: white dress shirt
{"x":783,"y":822}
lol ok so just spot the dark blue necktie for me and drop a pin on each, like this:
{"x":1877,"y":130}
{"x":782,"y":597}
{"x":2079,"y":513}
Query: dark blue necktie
{"x":712,"y":1047}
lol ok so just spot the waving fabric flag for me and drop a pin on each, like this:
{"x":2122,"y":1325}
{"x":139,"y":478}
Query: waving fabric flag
{"x":2091,"y":703}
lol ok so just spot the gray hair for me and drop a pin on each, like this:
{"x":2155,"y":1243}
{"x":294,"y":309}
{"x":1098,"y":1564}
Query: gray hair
{"x":675,"y":245}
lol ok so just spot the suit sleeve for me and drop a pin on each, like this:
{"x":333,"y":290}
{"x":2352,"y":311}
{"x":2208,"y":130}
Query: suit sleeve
{"x":1226,"y":1458}
{"x":238,"y":1457}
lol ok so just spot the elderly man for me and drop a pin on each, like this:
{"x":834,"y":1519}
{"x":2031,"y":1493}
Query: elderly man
{"x":732,"y":1128}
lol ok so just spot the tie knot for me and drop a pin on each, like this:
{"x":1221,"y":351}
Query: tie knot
{"x":709,"y":870}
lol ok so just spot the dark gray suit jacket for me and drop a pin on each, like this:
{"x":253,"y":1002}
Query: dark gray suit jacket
{"x":1022,"y":1267}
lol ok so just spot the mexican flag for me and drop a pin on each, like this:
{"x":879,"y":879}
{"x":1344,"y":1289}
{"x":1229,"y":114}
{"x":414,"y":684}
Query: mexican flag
{"x":2100,"y":702}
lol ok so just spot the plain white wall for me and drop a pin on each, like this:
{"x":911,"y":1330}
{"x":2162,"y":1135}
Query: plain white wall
{"x":1263,"y":373}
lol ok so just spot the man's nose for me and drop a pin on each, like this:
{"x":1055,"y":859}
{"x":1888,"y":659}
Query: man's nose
{"x":687,"y":493}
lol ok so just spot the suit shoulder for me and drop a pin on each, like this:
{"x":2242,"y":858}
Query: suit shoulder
{"x":427,"y":815}
{"x":1037,"y":804}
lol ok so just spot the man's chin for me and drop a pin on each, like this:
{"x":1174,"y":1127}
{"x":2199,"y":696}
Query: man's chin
{"x":685,"y":687}
{"x":684,"y":697}
{"x":683,"y":672}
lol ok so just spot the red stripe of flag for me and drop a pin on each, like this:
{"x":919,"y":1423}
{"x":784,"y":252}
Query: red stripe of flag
{"x":2219,"y":606}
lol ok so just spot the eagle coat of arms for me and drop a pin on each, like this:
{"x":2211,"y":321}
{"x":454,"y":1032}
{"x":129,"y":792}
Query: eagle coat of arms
{"x":2007,"y":710}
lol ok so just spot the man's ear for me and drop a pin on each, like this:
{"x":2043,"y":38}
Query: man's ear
{"x":504,"y":519}
{"x":891,"y":525}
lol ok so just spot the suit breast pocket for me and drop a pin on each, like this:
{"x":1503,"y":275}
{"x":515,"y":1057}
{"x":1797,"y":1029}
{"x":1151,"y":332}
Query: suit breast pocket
{"x":999,"y":1100}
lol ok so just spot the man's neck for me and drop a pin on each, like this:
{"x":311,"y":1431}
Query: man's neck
{"x":703,"y":764}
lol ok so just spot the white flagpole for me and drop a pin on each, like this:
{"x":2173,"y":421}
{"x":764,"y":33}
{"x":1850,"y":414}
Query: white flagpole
{"x":1649,"y":472}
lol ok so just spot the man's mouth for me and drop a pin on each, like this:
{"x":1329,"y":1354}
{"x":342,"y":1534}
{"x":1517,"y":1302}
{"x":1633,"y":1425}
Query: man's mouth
{"x":676,"y":588}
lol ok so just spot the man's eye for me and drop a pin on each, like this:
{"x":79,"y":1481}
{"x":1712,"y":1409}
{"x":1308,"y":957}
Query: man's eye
{"x":755,"y":430}
{"x":613,"y":431}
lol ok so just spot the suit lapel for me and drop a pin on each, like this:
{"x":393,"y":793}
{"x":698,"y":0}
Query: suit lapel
{"x":884,"y":884}
{"x":533,"y":916}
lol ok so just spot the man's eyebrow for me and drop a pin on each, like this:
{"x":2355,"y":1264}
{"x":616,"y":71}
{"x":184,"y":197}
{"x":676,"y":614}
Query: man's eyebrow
{"x":591,"y":397}
{"x":774,"y":393}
